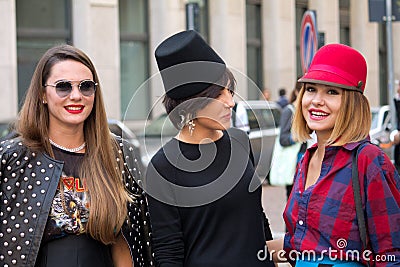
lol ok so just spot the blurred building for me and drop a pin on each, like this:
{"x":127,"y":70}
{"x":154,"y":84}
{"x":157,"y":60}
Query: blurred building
{"x":258,"y":38}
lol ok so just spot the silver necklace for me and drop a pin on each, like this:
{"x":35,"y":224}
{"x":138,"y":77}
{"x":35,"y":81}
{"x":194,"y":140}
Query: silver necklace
{"x":76,"y":149}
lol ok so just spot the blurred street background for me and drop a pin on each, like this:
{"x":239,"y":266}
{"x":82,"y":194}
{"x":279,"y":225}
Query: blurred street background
{"x":274,"y":201}
{"x":266,"y":43}
{"x":261,"y":39}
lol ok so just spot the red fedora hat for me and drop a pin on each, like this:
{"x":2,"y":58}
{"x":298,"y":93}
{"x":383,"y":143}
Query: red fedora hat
{"x":338,"y":65}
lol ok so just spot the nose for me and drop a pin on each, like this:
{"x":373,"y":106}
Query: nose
{"x":227,"y":98}
{"x":318,"y":99}
{"x":75,"y":93}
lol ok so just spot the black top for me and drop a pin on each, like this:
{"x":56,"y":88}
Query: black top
{"x":206,"y":216}
{"x":69,"y":213}
{"x":65,"y":242}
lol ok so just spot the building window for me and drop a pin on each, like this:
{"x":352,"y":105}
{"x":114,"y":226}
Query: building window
{"x":254,"y":48}
{"x":134,"y":39}
{"x":200,"y":17}
{"x":41,"y":24}
{"x":344,"y":11}
{"x":383,"y":70}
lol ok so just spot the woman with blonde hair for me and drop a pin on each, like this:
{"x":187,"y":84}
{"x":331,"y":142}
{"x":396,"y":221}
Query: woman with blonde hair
{"x":68,"y":185}
{"x":327,"y":214}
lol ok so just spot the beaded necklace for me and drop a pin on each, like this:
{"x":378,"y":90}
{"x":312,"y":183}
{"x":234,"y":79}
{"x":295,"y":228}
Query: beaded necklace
{"x":76,"y":149}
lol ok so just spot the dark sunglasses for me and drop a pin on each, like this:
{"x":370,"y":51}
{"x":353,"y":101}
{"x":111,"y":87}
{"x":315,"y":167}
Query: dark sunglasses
{"x":64,"y":88}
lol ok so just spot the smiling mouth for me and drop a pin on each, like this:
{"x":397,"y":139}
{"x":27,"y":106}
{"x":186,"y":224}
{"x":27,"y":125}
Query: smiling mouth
{"x":74,"y":108}
{"x":318,"y":114}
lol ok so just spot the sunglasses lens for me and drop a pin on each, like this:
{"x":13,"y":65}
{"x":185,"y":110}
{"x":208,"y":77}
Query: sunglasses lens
{"x":63,"y":89}
{"x":87,"y":88}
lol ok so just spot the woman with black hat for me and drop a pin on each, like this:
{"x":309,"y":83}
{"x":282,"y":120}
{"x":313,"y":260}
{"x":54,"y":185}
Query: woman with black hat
{"x":328,"y":217}
{"x":202,"y":208}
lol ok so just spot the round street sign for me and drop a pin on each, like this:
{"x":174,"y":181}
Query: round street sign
{"x":308,"y":39}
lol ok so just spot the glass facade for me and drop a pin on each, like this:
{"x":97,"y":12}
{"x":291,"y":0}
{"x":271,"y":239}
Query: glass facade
{"x":383,"y":63}
{"x":254,"y":48}
{"x":44,"y":23}
{"x":41,"y":24}
{"x":134,"y":51}
{"x":344,"y":12}
{"x":201,"y":20}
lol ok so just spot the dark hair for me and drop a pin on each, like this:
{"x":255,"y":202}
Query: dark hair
{"x":180,"y":111}
{"x":282,"y":91}
{"x":295,"y":91}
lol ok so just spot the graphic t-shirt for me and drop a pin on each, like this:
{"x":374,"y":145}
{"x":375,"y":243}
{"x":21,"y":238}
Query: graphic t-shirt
{"x":69,"y":211}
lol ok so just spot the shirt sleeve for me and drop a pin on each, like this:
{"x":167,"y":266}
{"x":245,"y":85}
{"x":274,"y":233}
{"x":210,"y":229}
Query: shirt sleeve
{"x":138,"y":209}
{"x":382,"y":204}
{"x":167,"y":235}
{"x":267,"y":228}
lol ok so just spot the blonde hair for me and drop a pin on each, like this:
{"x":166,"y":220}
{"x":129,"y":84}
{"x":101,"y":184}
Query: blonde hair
{"x":102,"y":174}
{"x":348,"y":128}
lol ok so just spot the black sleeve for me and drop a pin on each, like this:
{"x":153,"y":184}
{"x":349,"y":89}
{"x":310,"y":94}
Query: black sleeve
{"x":139,"y":217}
{"x":242,"y":137}
{"x":167,"y":235}
{"x":267,"y":228}
{"x":137,"y":210}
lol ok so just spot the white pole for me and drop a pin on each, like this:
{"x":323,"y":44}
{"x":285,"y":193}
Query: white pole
{"x":389,"y":46}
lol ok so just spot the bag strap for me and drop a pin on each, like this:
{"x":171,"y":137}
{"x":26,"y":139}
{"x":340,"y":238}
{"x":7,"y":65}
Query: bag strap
{"x":291,"y":107}
{"x":357,"y":198}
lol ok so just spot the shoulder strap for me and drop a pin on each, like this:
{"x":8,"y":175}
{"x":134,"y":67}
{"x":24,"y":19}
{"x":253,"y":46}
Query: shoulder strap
{"x":357,"y":198}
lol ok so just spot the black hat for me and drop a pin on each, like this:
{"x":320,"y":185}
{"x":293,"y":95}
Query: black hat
{"x":188,"y":65}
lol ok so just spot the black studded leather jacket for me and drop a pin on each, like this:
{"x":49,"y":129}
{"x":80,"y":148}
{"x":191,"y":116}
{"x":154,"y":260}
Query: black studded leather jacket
{"x":28,"y":183}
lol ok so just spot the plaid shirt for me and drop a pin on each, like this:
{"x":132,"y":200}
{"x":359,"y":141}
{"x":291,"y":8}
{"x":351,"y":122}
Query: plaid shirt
{"x":323,"y":219}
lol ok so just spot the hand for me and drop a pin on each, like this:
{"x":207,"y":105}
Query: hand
{"x":275,"y":247}
{"x":395,"y":137}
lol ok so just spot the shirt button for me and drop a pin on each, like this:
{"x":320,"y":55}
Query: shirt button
{"x":301,"y":222}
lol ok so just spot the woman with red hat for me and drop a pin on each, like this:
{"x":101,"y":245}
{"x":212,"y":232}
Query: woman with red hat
{"x":321,"y":218}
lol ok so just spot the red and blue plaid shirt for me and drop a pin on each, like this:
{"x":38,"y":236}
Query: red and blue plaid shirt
{"x":322,"y":218}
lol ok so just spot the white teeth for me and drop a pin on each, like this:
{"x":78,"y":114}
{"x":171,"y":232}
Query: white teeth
{"x":315,"y":113}
{"x":74,"y":108}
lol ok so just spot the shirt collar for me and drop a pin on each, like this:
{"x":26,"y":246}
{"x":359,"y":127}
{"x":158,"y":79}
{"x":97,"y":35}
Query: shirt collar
{"x":348,"y":146}
{"x":352,"y":146}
